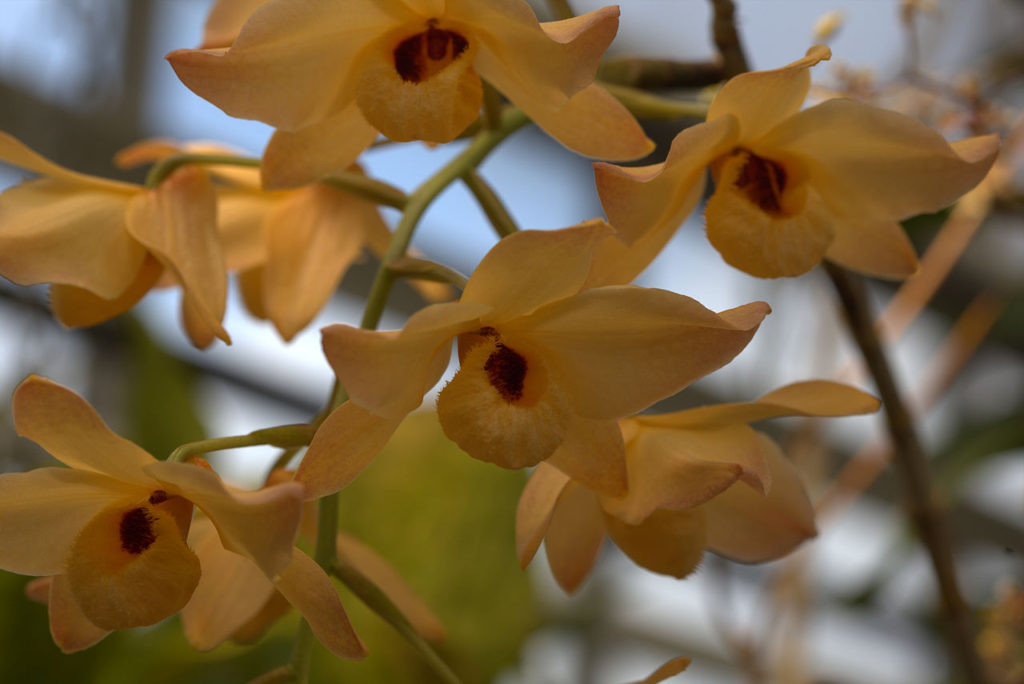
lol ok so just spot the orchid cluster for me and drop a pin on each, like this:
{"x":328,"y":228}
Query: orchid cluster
{"x":559,"y":356}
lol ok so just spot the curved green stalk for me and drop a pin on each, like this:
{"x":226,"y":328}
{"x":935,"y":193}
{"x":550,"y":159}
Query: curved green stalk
{"x":375,"y":191}
{"x":165,"y":167}
{"x":280,"y":436}
{"x":644,"y":105}
{"x":503,"y":223}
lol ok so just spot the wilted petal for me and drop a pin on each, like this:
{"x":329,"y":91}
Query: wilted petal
{"x":231,"y":590}
{"x":177,"y":221}
{"x":536,"y":506}
{"x":574,"y":537}
{"x":546,"y":265}
{"x":55,"y":232}
{"x":43,"y":511}
{"x":344,"y":444}
{"x":761,"y":99}
{"x":260,"y":525}
{"x":275,"y":71}
{"x":308,"y":154}
{"x":70,"y":628}
{"x":373,"y":566}
{"x":666,"y":542}
{"x":748,"y":526}
{"x":650,"y":202}
{"x":592,"y":453}
{"x":75,"y":307}
{"x":614,"y":351}
{"x":64,"y":424}
{"x":129,"y":566}
{"x":310,"y":590}
{"x":875,"y":162}
{"x":314,"y":234}
{"x":668,"y":669}
{"x":388,"y":372}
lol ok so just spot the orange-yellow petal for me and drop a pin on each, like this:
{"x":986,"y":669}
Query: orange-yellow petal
{"x":388,"y":372}
{"x":759,"y":100}
{"x":240,"y":223}
{"x":344,"y":444}
{"x":225,"y":20}
{"x":129,"y":566}
{"x":314,"y":234}
{"x":574,"y":537}
{"x":43,"y":510}
{"x":75,"y":307}
{"x":406,"y":100}
{"x":52,"y":231}
{"x":308,"y":154}
{"x":536,"y":506}
{"x":291,"y":64}
{"x":523,"y":58}
{"x":666,"y":542}
{"x":810,"y":398}
{"x":64,"y":424}
{"x":373,"y":566}
{"x":70,"y":628}
{"x":310,"y":590}
{"x":592,"y":453}
{"x":545,"y":265}
{"x":679,"y":469}
{"x":177,"y":221}
{"x":13,"y":151}
{"x":646,"y":204}
{"x":231,"y":590}
{"x":614,"y":351}
{"x":751,"y":527}
{"x":871,"y":245}
{"x":260,"y":525}
{"x":875,"y":162}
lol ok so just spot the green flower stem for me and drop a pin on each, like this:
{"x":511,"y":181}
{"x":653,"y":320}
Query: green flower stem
{"x":469,"y":158}
{"x":370,"y":594}
{"x":910,"y":460}
{"x":424,"y":269}
{"x":643,"y":105}
{"x":302,"y":652}
{"x":280,"y":436}
{"x":375,"y":191}
{"x":659,"y":74}
{"x":493,"y":105}
{"x":497,"y":214}
{"x":165,"y":167}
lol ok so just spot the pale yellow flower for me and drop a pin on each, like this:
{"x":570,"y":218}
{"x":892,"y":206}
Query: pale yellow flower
{"x":794,"y":187}
{"x":110,"y":530}
{"x":698,"y":479}
{"x":103,"y":244}
{"x":332,"y":74}
{"x":547,"y":363}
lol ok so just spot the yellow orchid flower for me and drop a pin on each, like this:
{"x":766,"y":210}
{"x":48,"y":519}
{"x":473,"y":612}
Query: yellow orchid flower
{"x":290,"y":247}
{"x":794,"y":187}
{"x":104,"y":244}
{"x":234,"y":600}
{"x":700,"y":478}
{"x":547,"y":363}
{"x":332,"y":74}
{"x":110,"y":530}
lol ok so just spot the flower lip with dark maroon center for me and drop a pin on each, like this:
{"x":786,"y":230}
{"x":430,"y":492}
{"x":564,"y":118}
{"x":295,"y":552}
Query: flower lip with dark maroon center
{"x":763,"y":182}
{"x":137,"y":531}
{"x":425,"y":54}
{"x":506,"y":371}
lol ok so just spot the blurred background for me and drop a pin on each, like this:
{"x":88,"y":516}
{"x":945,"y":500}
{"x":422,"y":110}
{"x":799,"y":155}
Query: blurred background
{"x":80,"y":79}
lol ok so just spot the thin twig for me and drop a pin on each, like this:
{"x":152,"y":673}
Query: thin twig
{"x":727,"y":38}
{"x":910,"y":459}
